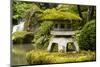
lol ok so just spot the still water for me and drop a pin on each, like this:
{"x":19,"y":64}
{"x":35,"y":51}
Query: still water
{"x":18,"y":53}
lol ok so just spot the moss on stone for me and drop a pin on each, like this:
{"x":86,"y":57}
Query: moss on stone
{"x":22,"y":37}
{"x":53,"y":14}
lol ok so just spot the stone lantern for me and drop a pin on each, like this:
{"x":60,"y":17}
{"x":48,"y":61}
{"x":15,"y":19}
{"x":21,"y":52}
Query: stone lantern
{"x":63,"y":30}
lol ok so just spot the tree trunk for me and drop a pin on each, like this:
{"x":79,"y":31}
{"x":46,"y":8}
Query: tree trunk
{"x":90,"y":13}
{"x":79,"y":11}
{"x":80,"y":14}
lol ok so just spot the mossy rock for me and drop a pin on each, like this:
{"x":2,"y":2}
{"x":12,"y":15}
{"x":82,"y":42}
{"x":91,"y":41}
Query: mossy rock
{"x":43,"y":57}
{"x":22,"y":37}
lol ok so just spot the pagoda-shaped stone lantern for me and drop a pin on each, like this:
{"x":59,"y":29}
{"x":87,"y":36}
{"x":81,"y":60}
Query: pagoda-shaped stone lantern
{"x":63,"y":29}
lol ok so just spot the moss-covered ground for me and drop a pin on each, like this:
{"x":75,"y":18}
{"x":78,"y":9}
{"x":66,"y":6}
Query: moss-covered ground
{"x":25,"y":54}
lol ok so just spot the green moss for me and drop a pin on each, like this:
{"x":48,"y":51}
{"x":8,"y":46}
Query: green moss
{"x":43,"y":57}
{"x":53,"y":14}
{"x":22,"y":37}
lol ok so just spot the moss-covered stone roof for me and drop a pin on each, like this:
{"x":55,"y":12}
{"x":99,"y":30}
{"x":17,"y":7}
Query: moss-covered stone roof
{"x":53,"y":14}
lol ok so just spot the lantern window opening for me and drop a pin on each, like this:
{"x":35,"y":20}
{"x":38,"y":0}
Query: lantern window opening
{"x":62,"y":26}
{"x":56,"y":26}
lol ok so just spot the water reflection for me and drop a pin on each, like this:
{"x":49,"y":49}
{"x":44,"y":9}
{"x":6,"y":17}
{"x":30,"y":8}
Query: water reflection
{"x":19,"y":52}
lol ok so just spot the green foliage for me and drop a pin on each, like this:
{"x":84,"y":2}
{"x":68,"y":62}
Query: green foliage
{"x":65,"y":7}
{"x":31,"y":19}
{"x":87,"y":38}
{"x":53,"y":14}
{"x":19,"y":8}
{"x":22,"y":37}
{"x":77,"y":34}
{"x":70,"y":47}
{"x":75,"y":25}
{"x":42,"y":36}
{"x":54,"y":47}
{"x":43,"y":57}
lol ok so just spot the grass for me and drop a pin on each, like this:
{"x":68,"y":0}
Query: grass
{"x":43,"y":57}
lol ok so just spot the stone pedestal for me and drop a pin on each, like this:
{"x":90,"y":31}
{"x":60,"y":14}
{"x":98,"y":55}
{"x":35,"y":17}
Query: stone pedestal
{"x":62,"y":43}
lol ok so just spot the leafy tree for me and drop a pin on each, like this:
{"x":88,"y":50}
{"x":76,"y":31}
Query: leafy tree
{"x":20,"y":8}
{"x":31,"y":18}
{"x":68,"y":8}
{"x":87,"y":38}
{"x":44,"y":6}
{"x":87,"y":13}
{"x":90,"y":13}
{"x":42,"y":36}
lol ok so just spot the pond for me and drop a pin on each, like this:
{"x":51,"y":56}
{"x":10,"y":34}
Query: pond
{"x":18,"y":53}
